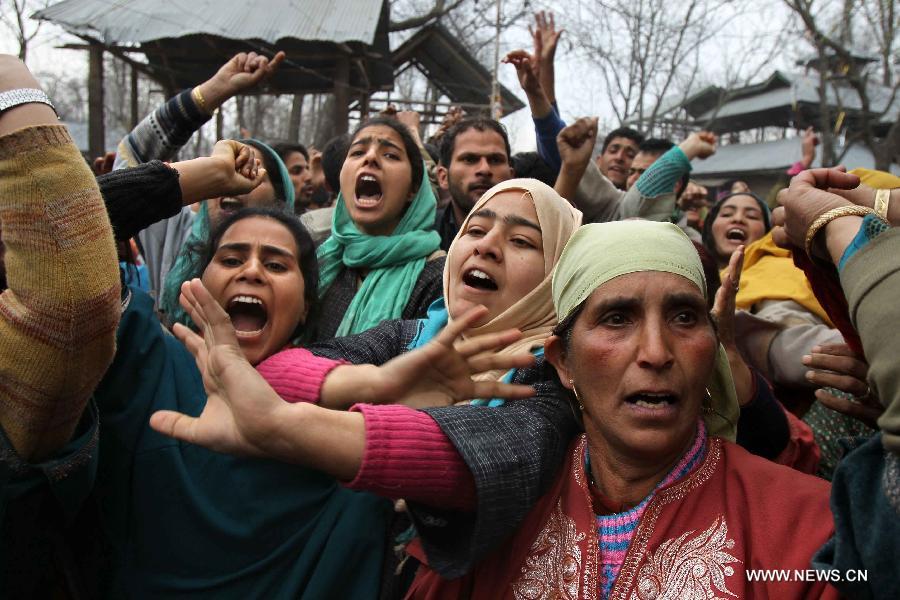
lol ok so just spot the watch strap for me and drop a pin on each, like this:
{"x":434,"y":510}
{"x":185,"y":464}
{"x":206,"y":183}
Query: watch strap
{"x":11,"y":98}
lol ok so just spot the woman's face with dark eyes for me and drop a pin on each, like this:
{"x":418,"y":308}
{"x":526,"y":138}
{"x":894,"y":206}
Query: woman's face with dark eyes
{"x":255,"y":276}
{"x":498,"y":257}
{"x":376,"y":180}
{"x":640,"y":356}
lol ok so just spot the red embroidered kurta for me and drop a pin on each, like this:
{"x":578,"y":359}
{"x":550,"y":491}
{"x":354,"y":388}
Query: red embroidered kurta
{"x":698,"y":538}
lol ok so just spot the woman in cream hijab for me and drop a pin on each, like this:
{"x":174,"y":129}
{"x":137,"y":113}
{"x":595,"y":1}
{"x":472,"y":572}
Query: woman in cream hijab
{"x":503,"y":258}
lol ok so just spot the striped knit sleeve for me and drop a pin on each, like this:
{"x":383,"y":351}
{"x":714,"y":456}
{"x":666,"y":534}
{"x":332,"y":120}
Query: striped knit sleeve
{"x":58,"y":315}
{"x":162,"y":133}
{"x":663,"y":174}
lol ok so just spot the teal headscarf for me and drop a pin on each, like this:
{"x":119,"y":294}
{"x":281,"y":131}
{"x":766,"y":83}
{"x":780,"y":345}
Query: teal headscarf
{"x":187,"y":266}
{"x":394,"y":261}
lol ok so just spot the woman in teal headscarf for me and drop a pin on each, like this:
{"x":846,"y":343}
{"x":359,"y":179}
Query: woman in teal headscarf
{"x":275,"y":190}
{"x":382,"y":260}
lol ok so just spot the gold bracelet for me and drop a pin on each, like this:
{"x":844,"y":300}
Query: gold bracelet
{"x":882,"y":201}
{"x":827,"y":217}
{"x":198,"y":98}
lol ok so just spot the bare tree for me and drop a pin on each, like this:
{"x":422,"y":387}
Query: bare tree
{"x":843,"y":74}
{"x":439,"y":8}
{"x":650,"y":53}
{"x":14,"y":15}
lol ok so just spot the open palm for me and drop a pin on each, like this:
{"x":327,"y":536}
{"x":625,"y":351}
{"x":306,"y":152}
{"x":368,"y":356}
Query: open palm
{"x":240,"y":405}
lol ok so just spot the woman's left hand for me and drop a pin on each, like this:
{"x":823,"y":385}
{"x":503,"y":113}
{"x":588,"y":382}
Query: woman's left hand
{"x":437,"y":374}
{"x":837,"y":366}
{"x":723,"y":314}
{"x":805,"y":200}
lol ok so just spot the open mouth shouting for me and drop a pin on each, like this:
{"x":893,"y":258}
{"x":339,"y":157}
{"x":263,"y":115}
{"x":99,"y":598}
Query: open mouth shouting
{"x":479,"y":280}
{"x":368,"y":191}
{"x":736,"y":234}
{"x":249,"y":316}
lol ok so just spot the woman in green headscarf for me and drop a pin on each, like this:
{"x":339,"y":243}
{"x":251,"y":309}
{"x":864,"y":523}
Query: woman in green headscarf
{"x":382,"y":260}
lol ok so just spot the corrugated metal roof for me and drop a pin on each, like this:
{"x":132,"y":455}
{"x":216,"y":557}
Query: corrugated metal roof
{"x":777,"y":155}
{"x":800,"y":88}
{"x":138,"y":21}
{"x":452,"y":68}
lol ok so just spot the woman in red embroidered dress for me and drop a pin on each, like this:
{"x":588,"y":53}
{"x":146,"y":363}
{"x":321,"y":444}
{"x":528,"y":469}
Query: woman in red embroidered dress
{"x":653,"y":501}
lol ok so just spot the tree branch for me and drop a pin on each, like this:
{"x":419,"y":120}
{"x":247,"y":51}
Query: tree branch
{"x":439,"y":9}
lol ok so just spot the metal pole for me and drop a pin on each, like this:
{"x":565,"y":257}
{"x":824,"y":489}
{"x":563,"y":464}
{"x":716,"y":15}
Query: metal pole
{"x":496,"y":104}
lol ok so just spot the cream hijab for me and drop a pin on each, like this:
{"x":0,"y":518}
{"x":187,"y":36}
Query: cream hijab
{"x":534,"y":313}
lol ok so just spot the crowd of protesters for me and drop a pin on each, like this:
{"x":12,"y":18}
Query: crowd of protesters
{"x":430,"y":368}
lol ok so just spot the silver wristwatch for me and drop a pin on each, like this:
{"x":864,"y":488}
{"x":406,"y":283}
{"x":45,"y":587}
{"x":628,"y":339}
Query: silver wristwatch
{"x":23,"y":96}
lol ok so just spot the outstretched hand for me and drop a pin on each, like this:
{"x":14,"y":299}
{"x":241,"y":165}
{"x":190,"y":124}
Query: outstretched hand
{"x":240,"y":407}
{"x":437,"y":374}
{"x":440,"y":373}
{"x":527,"y":70}
{"x":723,"y":314}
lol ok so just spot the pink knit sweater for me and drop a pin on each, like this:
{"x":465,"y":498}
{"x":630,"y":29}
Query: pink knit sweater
{"x":406,"y":454}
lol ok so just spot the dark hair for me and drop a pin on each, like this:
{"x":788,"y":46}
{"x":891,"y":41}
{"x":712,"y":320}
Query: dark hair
{"x":655,"y":146}
{"x":309,"y":266}
{"x":433,"y":151}
{"x":625,"y":132}
{"x":409,"y":143}
{"x":333,"y":155}
{"x":285,"y":149}
{"x":272,"y":168}
{"x":564,"y":328}
{"x":708,"y":242}
{"x":530,"y":165}
{"x":448,"y":142}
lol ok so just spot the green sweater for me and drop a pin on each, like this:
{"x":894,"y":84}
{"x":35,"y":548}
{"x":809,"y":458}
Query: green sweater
{"x":184,"y":521}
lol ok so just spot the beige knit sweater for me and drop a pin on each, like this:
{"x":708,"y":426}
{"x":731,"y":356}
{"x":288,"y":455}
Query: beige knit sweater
{"x":59,"y":314}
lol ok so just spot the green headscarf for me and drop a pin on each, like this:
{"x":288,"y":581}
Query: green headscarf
{"x":187,"y":266}
{"x":394,"y":261}
{"x":600,"y":252}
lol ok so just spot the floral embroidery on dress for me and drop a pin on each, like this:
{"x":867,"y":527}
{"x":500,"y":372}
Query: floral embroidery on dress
{"x":687,"y":569}
{"x":554,"y":561}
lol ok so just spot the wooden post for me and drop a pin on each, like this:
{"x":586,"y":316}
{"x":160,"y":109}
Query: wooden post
{"x":363,"y":106}
{"x":134,"y":98}
{"x":341,"y":95}
{"x":293,"y":132}
{"x":96,"y":130}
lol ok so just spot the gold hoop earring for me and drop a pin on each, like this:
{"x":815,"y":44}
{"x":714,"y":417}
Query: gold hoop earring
{"x":575,"y":391}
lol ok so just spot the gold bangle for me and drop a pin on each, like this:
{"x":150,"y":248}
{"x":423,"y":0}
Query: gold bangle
{"x":829,"y":216}
{"x":198,"y":98}
{"x":882,"y":201}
